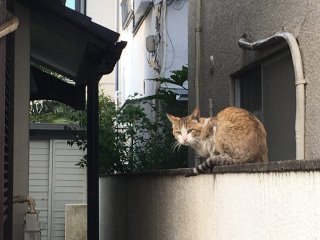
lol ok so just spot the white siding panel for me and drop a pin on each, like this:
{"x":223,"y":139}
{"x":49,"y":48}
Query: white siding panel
{"x":64,"y":177}
{"x":36,"y":182}
{"x":68,"y":183}
{"x":39,"y":179}
{"x":54,"y":181}
{"x":38,"y":176}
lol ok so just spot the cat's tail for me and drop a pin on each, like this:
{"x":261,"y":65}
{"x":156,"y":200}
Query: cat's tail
{"x":210,"y":163}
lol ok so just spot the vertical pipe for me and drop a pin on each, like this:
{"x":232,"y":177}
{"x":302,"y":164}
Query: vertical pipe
{"x":117,"y":64}
{"x":300,"y":81}
{"x":163,"y":47}
{"x":163,"y":42}
{"x":93,"y":163}
{"x":2,"y":118}
{"x":164,"y":38}
{"x":198,"y":51}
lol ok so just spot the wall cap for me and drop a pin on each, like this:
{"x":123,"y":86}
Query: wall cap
{"x":274,"y":166}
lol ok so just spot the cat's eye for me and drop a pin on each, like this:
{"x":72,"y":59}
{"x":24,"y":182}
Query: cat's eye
{"x":190,"y":130}
{"x":177,"y":132}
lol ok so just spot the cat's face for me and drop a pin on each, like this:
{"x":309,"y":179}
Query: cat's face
{"x":187,"y":129}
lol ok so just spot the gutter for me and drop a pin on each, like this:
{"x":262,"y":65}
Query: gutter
{"x":10,"y":26}
{"x":300,"y":81}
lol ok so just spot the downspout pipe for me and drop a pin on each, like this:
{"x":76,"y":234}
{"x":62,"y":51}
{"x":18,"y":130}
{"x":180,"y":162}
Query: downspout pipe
{"x":163,"y":43}
{"x":10,"y":26}
{"x":164,"y":33}
{"x":300,"y":81}
{"x":198,"y":51}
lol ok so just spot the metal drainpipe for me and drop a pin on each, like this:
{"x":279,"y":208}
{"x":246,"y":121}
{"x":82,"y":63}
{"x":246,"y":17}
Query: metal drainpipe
{"x":93,"y":156}
{"x":10,"y":26}
{"x":300,"y":81}
{"x":116,"y":73}
{"x":198,"y":51}
{"x":163,"y":43}
{"x":164,"y":49}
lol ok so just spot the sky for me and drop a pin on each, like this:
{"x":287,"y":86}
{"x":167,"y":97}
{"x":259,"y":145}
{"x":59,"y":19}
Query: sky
{"x":70,"y":4}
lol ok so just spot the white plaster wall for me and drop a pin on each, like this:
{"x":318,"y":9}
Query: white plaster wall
{"x":177,"y":28}
{"x":221,"y":206}
{"x":134,"y":68}
{"x":103,"y":12}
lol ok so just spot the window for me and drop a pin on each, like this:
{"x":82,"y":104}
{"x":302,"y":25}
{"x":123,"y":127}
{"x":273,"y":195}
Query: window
{"x":248,"y":92}
{"x":126,"y":12}
{"x":267,"y":89}
{"x":141,"y":10}
{"x":77,"y":5}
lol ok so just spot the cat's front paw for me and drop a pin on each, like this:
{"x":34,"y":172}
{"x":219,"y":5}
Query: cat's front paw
{"x":192,"y":172}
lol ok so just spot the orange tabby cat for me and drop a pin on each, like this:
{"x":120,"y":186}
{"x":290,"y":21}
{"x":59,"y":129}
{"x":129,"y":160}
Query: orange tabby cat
{"x":234,"y":136}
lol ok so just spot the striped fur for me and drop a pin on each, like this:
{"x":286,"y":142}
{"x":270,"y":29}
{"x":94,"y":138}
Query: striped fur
{"x":211,"y":162}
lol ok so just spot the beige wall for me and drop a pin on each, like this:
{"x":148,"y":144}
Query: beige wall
{"x":103,"y":12}
{"x":224,"y":22}
{"x":217,"y":206}
{"x":21,"y":116}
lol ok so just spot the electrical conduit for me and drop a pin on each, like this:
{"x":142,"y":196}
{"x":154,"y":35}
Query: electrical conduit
{"x":300,"y":81}
{"x":198,"y":51}
{"x":10,"y":26}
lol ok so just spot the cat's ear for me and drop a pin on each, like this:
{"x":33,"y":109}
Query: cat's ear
{"x":172,"y":118}
{"x":196,"y":114}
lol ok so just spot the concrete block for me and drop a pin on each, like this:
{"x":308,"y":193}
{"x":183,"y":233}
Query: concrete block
{"x":76,"y":222}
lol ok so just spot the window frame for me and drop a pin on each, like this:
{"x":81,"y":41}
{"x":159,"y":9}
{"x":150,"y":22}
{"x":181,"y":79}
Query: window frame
{"x":126,"y":13}
{"x":262,"y":63}
{"x":262,"y":57}
{"x":138,"y":19}
{"x":237,"y":87}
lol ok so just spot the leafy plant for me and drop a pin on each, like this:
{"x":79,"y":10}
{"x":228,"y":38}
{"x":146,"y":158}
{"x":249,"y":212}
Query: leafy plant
{"x":129,"y":141}
{"x":47,"y":111}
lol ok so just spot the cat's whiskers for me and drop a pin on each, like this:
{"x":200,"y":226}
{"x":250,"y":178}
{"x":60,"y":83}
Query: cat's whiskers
{"x":176,"y":145}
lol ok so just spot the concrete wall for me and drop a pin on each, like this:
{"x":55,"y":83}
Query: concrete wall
{"x":21,"y":111}
{"x":265,"y":205}
{"x":76,"y":222}
{"x":224,"y":22}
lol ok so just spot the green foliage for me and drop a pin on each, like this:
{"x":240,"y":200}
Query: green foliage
{"x":47,"y":111}
{"x":129,"y":141}
{"x":166,"y":95}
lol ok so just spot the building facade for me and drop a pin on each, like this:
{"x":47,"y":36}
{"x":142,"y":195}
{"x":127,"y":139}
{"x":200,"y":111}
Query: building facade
{"x":156,"y":32}
{"x":264,"y":78}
